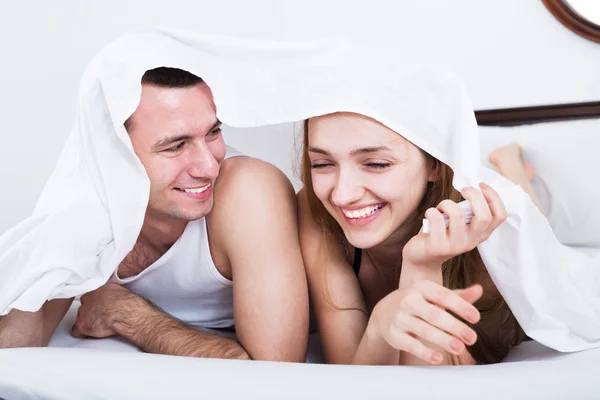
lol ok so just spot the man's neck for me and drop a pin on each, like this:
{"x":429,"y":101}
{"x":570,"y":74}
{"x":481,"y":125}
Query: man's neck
{"x":162,"y":233}
{"x":155,"y":239}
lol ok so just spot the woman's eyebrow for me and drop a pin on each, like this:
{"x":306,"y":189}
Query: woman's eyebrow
{"x":366,"y":150}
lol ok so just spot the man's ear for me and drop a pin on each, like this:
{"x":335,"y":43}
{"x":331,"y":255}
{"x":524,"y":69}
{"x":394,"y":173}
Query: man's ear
{"x":434,"y":171}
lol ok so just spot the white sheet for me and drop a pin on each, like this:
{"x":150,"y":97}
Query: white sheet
{"x":531,"y":372}
{"x":112,"y":368}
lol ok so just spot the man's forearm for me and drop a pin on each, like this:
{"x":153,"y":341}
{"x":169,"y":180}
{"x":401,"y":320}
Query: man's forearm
{"x":153,"y":331}
{"x":21,"y":329}
{"x":32,"y":329}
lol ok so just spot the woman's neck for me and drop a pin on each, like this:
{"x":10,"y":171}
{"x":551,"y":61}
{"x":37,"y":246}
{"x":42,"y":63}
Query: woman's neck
{"x":389,"y":252}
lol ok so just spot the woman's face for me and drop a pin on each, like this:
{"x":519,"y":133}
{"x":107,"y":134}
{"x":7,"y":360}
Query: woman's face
{"x":367,"y":176}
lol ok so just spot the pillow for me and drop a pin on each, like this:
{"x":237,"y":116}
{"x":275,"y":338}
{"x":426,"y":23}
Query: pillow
{"x":567,"y":180}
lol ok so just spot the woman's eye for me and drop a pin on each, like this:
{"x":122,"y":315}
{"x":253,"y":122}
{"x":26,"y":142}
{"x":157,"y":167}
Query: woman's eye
{"x":377,"y":165}
{"x":318,"y":166}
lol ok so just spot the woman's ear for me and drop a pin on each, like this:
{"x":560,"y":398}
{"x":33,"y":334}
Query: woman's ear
{"x":434,"y":171}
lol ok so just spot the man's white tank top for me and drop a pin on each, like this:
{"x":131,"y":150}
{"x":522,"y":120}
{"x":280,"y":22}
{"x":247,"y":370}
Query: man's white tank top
{"x":185,"y":282}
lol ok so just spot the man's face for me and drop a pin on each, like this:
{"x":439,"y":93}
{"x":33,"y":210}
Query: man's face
{"x":176,"y":135}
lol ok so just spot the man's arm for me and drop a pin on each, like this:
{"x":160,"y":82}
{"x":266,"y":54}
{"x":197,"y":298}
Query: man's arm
{"x":32,"y":329}
{"x":114,"y":310}
{"x":254,"y":224}
{"x":155,"y":332}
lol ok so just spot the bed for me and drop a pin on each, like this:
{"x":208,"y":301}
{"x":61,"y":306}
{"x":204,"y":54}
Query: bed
{"x":113,"y":369}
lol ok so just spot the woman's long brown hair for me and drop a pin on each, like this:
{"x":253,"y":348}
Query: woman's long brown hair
{"x":498,"y":330}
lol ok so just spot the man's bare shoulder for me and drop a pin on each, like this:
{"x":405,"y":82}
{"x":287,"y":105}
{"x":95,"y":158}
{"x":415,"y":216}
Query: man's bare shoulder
{"x":247,"y":179}
{"x":249,"y":191}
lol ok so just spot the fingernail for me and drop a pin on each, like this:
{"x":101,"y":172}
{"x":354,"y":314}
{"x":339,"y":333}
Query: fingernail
{"x":469,"y":336}
{"x":484,"y":185}
{"x":436,"y":357}
{"x":471,"y":316}
{"x":455,"y":345}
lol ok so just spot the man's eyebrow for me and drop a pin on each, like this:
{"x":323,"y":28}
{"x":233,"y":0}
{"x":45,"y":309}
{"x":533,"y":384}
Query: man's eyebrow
{"x":170,"y":140}
{"x":177,"y":138}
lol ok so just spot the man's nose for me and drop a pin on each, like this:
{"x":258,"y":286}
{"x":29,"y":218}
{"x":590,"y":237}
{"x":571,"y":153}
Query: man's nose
{"x":203,"y":163}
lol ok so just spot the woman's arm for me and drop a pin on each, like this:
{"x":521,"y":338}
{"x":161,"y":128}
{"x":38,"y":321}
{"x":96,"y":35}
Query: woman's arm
{"x":395,"y":326}
{"x":337,"y":298}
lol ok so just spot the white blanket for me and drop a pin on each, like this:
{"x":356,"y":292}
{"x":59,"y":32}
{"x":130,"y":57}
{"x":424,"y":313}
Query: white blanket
{"x":92,"y":209}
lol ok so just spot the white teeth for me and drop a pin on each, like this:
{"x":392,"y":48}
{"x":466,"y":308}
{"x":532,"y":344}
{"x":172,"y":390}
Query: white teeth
{"x":363,"y":212}
{"x":196,"y":190}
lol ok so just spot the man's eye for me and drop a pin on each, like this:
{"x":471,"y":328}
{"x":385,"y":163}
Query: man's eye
{"x":175,"y":148}
{"x":215,"y":132}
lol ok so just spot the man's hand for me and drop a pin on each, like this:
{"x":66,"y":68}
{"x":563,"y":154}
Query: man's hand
{"x":96,"y":315}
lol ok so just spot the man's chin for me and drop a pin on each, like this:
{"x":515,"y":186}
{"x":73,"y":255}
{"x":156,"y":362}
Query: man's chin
{"x":196,"y":214}
{"x":193,"y":213}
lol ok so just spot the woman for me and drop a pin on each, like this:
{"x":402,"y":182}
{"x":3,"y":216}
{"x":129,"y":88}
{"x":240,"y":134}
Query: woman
{"x":385,"y":293}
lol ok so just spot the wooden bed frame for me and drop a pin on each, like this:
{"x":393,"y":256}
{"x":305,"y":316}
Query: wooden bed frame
{"x":536,"y":114}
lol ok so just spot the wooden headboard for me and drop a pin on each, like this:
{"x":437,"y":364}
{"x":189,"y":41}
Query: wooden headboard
{"x":536,"y":114}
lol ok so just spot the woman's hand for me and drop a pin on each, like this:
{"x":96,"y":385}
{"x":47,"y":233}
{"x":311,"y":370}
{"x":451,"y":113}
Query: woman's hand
{"x":406,"y":318}
{"x":441,"y":244}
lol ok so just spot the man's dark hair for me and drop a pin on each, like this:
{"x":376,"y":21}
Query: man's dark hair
{"x":169,"y":78}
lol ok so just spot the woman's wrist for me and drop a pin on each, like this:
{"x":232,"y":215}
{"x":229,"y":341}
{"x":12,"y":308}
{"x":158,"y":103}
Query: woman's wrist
{"x":412,"y":273}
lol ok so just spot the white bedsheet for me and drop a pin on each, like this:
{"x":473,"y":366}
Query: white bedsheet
{"x":79,"y":373}
{"x":113,"y":369}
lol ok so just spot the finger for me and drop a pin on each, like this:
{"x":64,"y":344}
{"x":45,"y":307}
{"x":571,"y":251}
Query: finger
{"x":470,"y":294}
{"x":76,"y":331}
{"x":404,"y":342}
{"x":432,"y":305}
{"x":450,"y":300}
{"x":432,"y":334}
{"x":436,"y":316}
{"x":496,"y":206}
{"x":437,"y":228}
{"x":457,"y":226}
{"x":482,"y":216}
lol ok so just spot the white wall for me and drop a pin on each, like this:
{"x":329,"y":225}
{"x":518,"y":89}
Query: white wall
{"x":510,"y":52}
{"x":45,"y":47}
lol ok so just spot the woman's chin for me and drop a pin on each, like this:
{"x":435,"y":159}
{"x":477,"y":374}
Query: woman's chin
{"x":363,"y":240}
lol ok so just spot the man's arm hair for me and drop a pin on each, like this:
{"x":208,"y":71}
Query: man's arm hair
{"x":154,"y":331}
{"x":32,"y":329}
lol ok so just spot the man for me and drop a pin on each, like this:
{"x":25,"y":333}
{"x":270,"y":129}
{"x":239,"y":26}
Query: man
{"x":218,"y":246}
